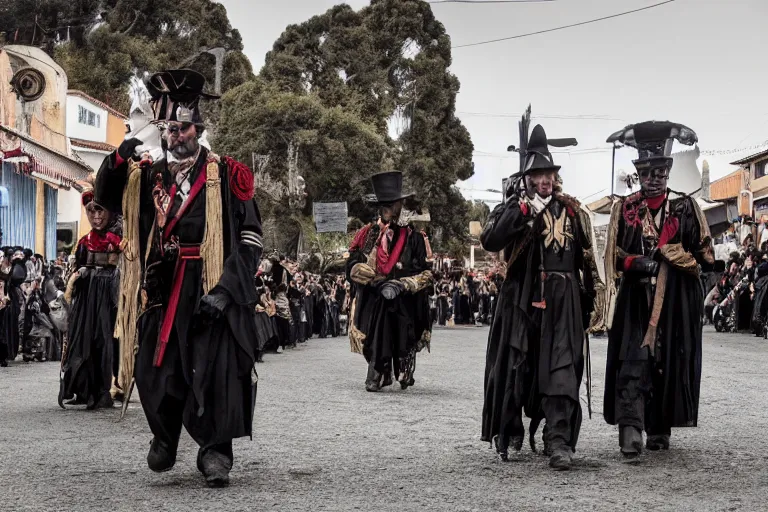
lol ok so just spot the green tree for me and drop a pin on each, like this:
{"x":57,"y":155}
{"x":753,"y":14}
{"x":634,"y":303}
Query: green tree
{"x":342,"y":80}
{"x":100,"y":44}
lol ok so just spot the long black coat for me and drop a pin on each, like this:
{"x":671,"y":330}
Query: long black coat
{"x":393,"y":328}
{"x":678,"y":354}
{"x":214,"y":359}
{"x":531,"y":352}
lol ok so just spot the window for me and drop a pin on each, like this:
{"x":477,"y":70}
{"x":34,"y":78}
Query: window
{"x":761,"y":169}
{"x":87,"y":117}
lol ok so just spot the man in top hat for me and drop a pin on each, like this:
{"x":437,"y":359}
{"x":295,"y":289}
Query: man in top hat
{"x":87,"y":363}
{"x":536,"y":346}
{"x":389,"y":314}
{"x":192,"y":243}
{"x":658,"y":241}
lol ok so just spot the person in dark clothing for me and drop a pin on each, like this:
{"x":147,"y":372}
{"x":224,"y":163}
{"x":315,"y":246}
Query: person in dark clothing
{"x":197,"y":234}
{"x":13,"y":277}
{"x":658,"y":242}
{"x":87,"y":366}
{"x":535,"y":358}
{"x":389,"y":319}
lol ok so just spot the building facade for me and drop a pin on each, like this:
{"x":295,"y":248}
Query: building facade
{"x":36,"y":162}
{"x":94,"y":130}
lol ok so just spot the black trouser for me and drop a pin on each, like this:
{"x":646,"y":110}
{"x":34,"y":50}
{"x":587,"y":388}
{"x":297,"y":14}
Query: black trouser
{"x":167,"y":401}
{"x":636,"y":405}
{"x":563,"y":421}
{"x":283,"y":331}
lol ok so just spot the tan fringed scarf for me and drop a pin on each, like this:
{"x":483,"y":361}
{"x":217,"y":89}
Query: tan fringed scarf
{"x":130,"y":278}
{"x":212,"y":249}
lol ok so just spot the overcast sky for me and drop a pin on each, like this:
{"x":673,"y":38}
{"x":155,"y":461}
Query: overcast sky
{"x":698,"y":62}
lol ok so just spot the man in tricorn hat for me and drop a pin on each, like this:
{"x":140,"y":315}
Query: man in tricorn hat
{"x":658,"y":241}
{"x":192,"y":242}
{"x":87,"y":363}
{"x":536,"y":346}
{"x":387,"y":263}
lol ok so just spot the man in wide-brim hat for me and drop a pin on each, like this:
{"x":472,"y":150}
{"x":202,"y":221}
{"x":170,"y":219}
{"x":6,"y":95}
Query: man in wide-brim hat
{"x":658,"y":242}
{"x":194,"y":233}
{"x":535,"y":358}
{"x":389,"y":315}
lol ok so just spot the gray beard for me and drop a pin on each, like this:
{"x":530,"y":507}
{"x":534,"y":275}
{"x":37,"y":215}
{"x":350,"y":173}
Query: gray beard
{"x":185,"y":150}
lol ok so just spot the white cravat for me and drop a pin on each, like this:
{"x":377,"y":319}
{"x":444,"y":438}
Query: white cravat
{"x":538,"y":203}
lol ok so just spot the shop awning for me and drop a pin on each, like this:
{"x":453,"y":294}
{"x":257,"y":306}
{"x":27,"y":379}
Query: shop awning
{"x":40,"y":161}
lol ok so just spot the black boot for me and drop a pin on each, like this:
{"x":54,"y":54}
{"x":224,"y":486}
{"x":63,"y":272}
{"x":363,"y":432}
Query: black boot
{"x":161,"y":456}
{"x":561,"y":458}
{"x":373,"y":380}
{"x":501,"y":448}
{"x":630,"y":441}
{"x":215,"y":468}
{"x":657,"y":442}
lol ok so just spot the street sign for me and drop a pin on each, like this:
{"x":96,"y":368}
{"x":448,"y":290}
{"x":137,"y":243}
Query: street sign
{"x":330,"y":217}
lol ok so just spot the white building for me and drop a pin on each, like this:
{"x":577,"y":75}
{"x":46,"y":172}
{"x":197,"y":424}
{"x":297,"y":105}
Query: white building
{"x":94,"y":130}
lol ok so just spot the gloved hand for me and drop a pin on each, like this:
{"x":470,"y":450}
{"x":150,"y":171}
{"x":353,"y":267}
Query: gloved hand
{"x":214,"y":304}
{"x":391,"y":289}
{"x":643,"y":265}
{"x":127,"y":147}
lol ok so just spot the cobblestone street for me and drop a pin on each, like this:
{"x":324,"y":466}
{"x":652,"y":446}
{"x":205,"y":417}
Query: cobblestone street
{"x":322,"y":443}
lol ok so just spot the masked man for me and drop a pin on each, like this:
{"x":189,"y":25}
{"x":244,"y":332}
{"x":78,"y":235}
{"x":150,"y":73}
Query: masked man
{"x":192,"y":230}
{"x":536,"y":346}
{"x":390,"y":310}
{"x":658,"y":240}
{"x":87,"y":365}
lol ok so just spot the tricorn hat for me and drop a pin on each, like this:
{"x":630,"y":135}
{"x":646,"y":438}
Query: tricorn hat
{"x":176,"y":94}
{"x":537,"y":155}
{"x":387,"y":188}
{"x":653,"y":141}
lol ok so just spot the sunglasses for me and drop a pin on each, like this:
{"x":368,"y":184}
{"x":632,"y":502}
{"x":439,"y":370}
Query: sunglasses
{"x":174,"y":129}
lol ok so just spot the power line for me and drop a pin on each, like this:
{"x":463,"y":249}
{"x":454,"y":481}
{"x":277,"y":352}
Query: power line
{"x":577,"y":117}
{"x":562,"y":27}
{"x":489,"y":1}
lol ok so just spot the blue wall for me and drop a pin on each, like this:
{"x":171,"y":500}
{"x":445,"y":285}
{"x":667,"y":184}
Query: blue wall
{"x":18,"y":220}
{"x":51,"y":216}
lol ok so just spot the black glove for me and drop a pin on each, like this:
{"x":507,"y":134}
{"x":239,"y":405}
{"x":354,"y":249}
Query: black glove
{"x":391,"y":289}
{"x":127,"y":147}
{"x":214,"y":304}
{"x":643,"y":265}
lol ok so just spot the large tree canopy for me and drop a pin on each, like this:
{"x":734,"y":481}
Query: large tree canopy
{"x":101,"y":44}
{"x":360,"y":92}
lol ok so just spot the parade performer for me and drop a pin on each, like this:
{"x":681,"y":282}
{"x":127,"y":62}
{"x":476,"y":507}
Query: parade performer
{"x":389,"y":316}
{"x":192,"y":230}
{"x":658,"y":241}
{"x":13,"y":273}
{"x":536,"y":346}
{"x":91,"y":291}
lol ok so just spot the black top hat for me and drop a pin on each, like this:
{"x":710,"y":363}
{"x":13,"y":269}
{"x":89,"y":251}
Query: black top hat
{"x":388,"y":188}
{"x":537,"y":155}
{"x":176,"y":94}
{"x":653,"y":141}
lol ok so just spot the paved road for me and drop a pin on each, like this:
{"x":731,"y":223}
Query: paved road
{"x":322,"y":443}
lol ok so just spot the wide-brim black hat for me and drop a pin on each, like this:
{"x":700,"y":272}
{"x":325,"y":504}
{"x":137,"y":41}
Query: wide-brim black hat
{"x":537,"y":155}
{"x":387,"y":188}
{"x":176,"y":94}
{"x":653,"y":141}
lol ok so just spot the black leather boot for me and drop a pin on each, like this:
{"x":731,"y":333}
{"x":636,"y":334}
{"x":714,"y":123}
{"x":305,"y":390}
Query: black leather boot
{"x":215,"y":468}
{"x":161,"y":456}
{"x":657,"y":442}
{"x":630,"y":441}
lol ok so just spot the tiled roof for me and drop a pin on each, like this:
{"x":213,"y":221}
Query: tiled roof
{"x":81,"y":94}
{"x":88,"y":144}
{"x":751,"y":158}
